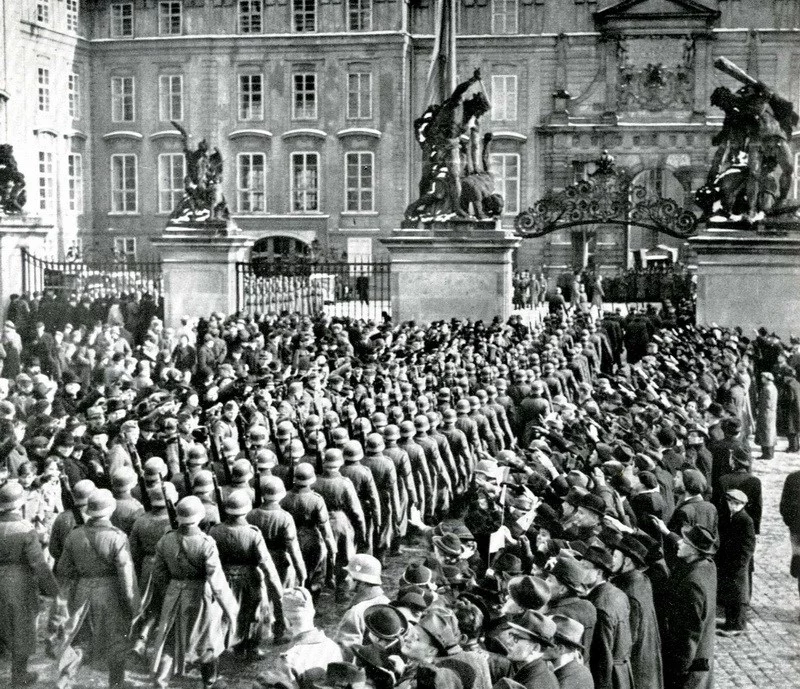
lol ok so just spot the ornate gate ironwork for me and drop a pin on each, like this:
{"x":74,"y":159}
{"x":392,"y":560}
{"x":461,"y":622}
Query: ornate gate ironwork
{"x":608,"y":197}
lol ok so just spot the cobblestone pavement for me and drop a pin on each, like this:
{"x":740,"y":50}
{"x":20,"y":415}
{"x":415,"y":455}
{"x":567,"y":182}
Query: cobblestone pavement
{"x":767,"y":656}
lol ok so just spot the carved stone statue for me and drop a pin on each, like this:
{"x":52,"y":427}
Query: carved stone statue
{"x":12,"y":183}
{"x":202,"y":193}
{"x":455,"y":180}
{"x":751,"y":173}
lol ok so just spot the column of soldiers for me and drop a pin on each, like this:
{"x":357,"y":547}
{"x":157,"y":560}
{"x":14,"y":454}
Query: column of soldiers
{"x":572,"y":506}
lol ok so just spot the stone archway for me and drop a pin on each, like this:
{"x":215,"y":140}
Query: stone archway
{"x":279,"y":249}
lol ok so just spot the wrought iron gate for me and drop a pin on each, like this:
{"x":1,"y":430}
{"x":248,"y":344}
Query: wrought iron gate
{"x":354,"y":289}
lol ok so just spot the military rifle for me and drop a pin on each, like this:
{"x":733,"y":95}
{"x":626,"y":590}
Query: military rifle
{"x":172,"y":513}
{"x":258,"y":499}
{"x":218,"y":497}
{"x":68,"y":499}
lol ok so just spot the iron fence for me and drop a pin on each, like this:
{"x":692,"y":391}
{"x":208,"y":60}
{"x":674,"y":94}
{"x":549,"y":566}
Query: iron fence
{"x":355,"y":289}
{"x":93,"y":278}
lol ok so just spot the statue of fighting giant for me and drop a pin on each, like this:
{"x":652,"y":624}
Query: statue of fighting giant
{"x":751,"y":173}
{"x":12,"y":183}
{"x":202,"y":198}
{"x":455,"y":180}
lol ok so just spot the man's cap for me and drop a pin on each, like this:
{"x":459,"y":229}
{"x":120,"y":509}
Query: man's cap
{"x":101,"y":504}
{"x":631,"y":546}
{"x":340,"y":675}
{"x":385,"y":622}
{"x":700,"y":538}
{"x":123,"y":478}
{"x":593,"y":503}
{"x":508,"y":564}
{"x":272,"y":488}
{"x":600,"y":556}
{"x":304,"y":474}
{"x":238,"y":503}
{"x":417,"y":574}
{"x":352,"y":451}
{"x":441,"y":625}
{"x":12,"y":496}
{"x":569,"y":632}
{"x":190,"y":511}
{"x":737,"y":495}
{"x":535,"y":626}
{"x":365,"y":568}
{"x":529,"y":592}
{"x":449,"y":544}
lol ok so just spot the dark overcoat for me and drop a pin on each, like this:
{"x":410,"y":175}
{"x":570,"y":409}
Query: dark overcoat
{"x":611,"y":644}
{"x":736,"y":548}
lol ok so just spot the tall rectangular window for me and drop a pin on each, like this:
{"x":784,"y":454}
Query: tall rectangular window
{"x":125,"y":248}
{"x":304,"y":96}
{"x":505,"y":167}
{"x":123,"y":183}
{"x":121,"y":20}
{"x":504,"y":16}
{"x":359,"y":95}
{"x":171,"y":171}
{"x":75,"y":182}
{"x":43,"y":11}
{"x":44,"y":89}
{"x":47,"y":182}
{"x":71,"y":7}
{"x":305,"y":15}
{"x":305,"y":182}
{"x":504,"y":97}
{"x":251,"y":97}
{"x":170,"y":18}
{"x":359,"y":15}
{"x":123,"y":91}
{"x":359,"y":181}
{"x":251,"y":182}
{"x":251,"y":18}
{"x":170,"y":97}
{"x":74,"y":95}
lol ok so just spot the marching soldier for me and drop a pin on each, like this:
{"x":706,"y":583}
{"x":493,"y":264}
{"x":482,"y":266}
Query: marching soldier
{"x":462,"y":456}
{"x":23,"y":572}
{"x":196,"y":602}
{"x":313,"y":528}
{"x":468,"y":426}
{"x":442,"y":486}
{"x":103,"y":597}
{"x":383,"y":471}
{"x":147,"y":531}
{"x":367,"y":491}
{"x":406,"y":488}
{"x":246,"y":562}
{"x":419,"y":466}
{"x":344,"y":511}
{"x":128,"y":508}
{"x":280,"y":534}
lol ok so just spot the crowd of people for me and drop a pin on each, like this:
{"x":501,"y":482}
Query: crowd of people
{"x":583,"y":488}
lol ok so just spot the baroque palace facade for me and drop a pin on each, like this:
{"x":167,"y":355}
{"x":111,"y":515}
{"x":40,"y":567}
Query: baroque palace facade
{"x":312,"y":103}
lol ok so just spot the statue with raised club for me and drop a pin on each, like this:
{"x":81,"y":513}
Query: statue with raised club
{"x":202,"y":199}
{"x":751,"y":173}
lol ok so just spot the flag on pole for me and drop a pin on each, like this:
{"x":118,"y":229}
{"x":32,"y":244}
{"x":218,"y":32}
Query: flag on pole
{"x":441,"y":81}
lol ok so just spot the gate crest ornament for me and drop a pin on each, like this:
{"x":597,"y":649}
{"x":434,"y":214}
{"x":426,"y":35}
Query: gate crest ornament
{"x":607,"y":197}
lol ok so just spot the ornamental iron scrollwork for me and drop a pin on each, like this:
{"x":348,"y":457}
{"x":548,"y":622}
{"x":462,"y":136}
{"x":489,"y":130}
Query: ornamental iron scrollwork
{"x":608,"y":197}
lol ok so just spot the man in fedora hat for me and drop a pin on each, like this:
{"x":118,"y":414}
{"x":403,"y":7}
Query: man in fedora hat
{"x":385,"y":627}
{"x":527,"y":639}
{"x":342,"y":676}
{"x":97,"y":568}
{"x":689,"y":647}
{"x":566,"y":655}
{"x":630,"y":557}
{"x":567,"y":580}
{"x":24,"y":574}
{"x":734,"y":561}
{"x":611,"y":641}
{"x":365,"y":570}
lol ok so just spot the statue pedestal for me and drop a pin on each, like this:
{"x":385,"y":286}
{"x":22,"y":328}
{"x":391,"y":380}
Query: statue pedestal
{"x":749,"y":277}
{"x":449,"y":272}
{"x":199,"y":267}
{"x":18,"y":232}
